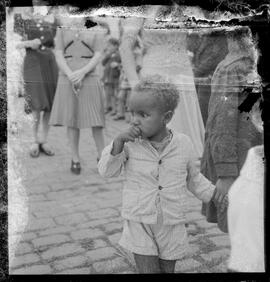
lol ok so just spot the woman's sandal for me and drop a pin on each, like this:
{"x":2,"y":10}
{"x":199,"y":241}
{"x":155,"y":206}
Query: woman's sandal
{"x":35,"y":150}
{"x":118,"y":117}
{"x":75,"y":167}
{"x":46,"y":149}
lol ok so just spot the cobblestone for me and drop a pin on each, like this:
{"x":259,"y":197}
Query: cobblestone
{"x":186,"y":264}
{"x":101,"y":214}
{"x":50,"y":240}
{"x":221,"y":241}
{"x":101,"y":253}
{"x":37,"y":224}
{"x":56,"y":230}
{"x":25,"y":259}
{"x":36,"y":198}
{"x":71,"y":219}
{"x":215,"y":255}
{"x":35,"y":269}
{"x":28,"y":236}
{"x":111,"y":266}
{"x":111,"y":227}
{"x":61,"y":251}
{"x":87,"y":234}
{"x":82,"y":270}
{"x":99,"y":243}
{"x":94,"y":223}
{"x":70,"y":262}
{"x":23,"y":248}
{"x":115,"y":238}
{"x":38,"y":189}
{"x":59,"y":195}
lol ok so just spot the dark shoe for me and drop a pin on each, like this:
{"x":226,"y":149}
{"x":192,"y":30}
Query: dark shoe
{"x":118,"y":118}
{"x":46,"y":149}
{"x":75,"y":167}
{"x":108,"y":110}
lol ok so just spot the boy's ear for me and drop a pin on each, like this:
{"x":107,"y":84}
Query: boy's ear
{"x":168,"y":116}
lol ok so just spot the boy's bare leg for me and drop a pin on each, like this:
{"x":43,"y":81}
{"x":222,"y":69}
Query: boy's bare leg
{"x":167,"y":266}
{"x":147,"y":264}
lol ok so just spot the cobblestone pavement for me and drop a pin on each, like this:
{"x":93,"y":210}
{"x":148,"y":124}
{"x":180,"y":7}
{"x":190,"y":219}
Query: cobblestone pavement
{"x":74,"y":223}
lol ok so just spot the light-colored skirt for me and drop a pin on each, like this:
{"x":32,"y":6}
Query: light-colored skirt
{"x":84,"y":110}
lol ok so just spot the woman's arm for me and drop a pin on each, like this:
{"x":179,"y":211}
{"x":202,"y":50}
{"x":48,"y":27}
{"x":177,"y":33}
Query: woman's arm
{"x":93,"y":62}
{"x":78,"y":75}
{"x":33,"y":44}
{"x":59,"y":54}
{"x":61,"y":62}
{"x":131,"y":28}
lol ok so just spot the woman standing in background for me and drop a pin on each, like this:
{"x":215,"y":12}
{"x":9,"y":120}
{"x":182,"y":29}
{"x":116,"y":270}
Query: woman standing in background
{"x":79,"y":96}
{"x":40,"y":71}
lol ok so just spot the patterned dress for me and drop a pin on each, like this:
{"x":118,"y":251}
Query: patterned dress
{"x":40,"y":70}
{"x":84,"y":110}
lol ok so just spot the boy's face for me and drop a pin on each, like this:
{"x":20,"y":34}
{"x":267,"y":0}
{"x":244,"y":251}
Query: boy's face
{"x":146,"y":114}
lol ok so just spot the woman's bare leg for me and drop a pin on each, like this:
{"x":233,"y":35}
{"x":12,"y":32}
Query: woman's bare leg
{"x":36,"y":119}
{"x":98,"y":136}
{"x":74,"y":138}
{"x":45,"y":126}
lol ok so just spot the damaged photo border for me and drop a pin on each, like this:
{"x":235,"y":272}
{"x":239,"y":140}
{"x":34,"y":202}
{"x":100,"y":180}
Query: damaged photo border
{"x":222,"y":14}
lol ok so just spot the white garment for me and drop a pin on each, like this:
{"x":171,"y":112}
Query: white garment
{"x":246,"y":215}
{"x":166,"y":55}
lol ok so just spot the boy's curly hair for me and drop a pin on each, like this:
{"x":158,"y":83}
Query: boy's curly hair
{"x":165,"y":92}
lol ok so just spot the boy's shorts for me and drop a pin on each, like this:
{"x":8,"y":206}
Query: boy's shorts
{"x":168,"y":242}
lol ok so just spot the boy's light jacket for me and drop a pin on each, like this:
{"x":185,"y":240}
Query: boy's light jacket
{"x":149,"y":174}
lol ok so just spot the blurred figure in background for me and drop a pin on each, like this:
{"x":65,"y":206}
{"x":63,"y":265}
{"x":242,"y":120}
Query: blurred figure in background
{"x":123,"y":97}
{"x":207,"y":50}
{"x":124,"y":86}
{"x":40,"y":72}
{"x":111,"y":63}
{"x":229,"y":133}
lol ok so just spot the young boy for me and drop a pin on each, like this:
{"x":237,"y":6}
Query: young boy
{"x":158,"y":164}
{"x":111,"y":63}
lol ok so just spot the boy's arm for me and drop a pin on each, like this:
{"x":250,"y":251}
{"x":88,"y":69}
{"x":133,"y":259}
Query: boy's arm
{"x":197,"y":184}
{"x":111,"y":164}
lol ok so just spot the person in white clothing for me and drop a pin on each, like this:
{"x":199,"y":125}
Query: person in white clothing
{"x":246,"y":211}
{"x":165,"y":54}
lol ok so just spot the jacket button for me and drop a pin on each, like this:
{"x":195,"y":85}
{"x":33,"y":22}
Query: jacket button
{"x":160,"y":162}
{"x":160,"y":187}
